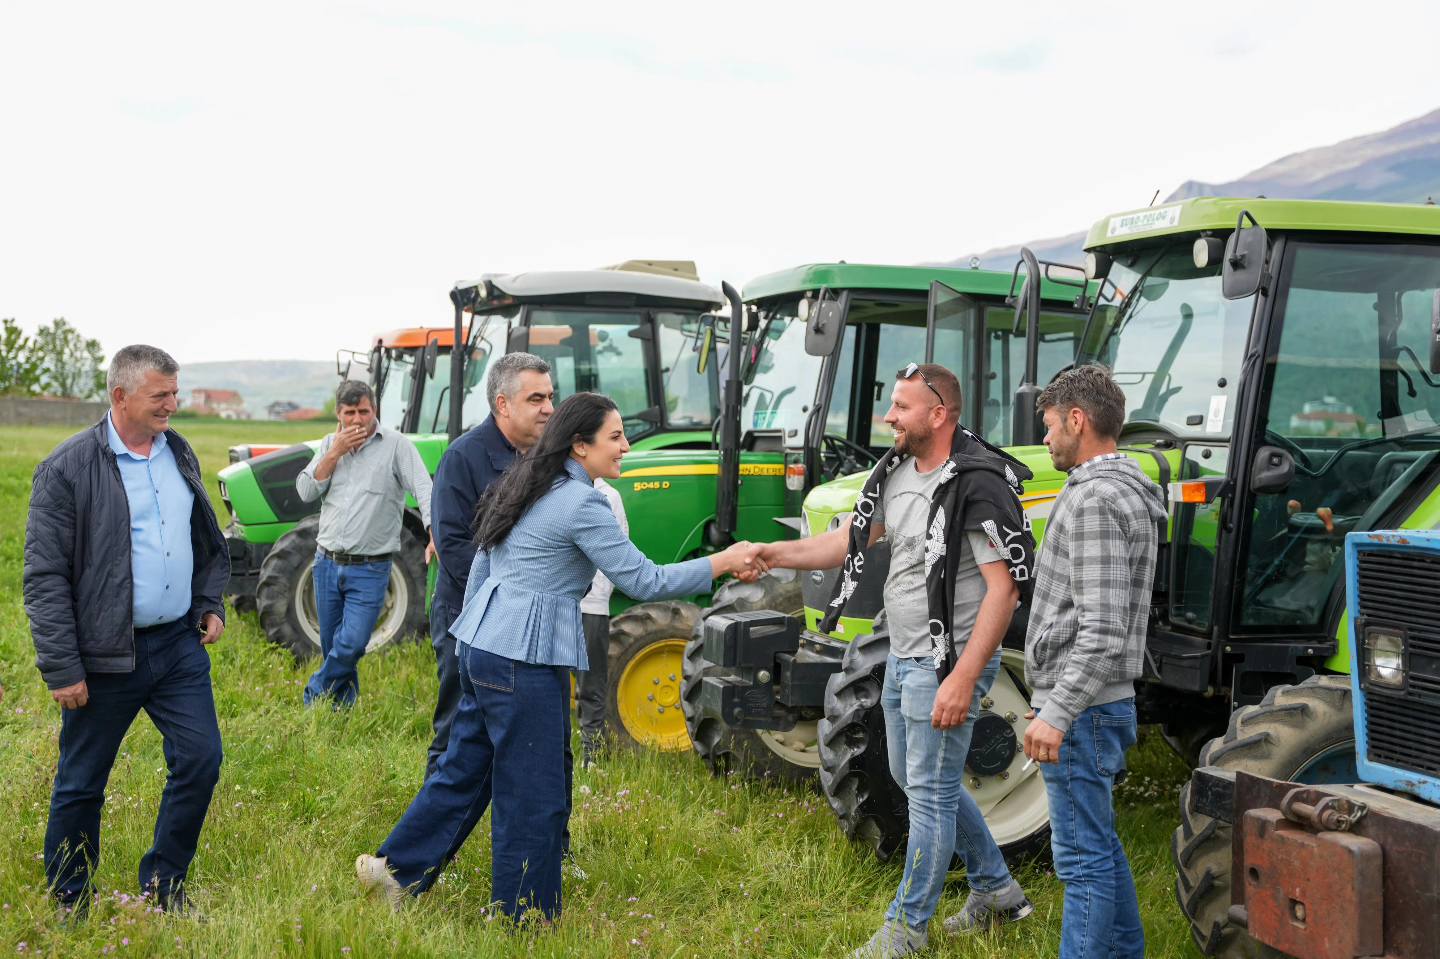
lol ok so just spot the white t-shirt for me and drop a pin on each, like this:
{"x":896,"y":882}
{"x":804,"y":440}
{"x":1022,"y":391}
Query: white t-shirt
{"x":904,"y":511}
{"x":597,"y":601}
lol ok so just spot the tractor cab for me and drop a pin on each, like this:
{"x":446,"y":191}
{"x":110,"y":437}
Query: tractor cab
{"x":832,"y":336}
{"x":628,"y":331}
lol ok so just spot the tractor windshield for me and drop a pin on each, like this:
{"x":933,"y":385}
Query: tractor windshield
{"x":1174,"y":343}
{"x":780,"y":376}
{"x":394,"y":385}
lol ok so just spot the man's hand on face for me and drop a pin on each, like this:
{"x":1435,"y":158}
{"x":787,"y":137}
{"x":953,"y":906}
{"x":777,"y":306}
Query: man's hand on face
{"x":72,"y":697}
{"x":349,"y":438}
{"x":952,"y":702}
{"x":1042,"y":740}
{"x":211,"y":626}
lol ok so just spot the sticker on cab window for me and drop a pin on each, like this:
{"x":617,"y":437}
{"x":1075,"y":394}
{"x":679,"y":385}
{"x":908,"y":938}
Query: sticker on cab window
{"x":1215,"y":421}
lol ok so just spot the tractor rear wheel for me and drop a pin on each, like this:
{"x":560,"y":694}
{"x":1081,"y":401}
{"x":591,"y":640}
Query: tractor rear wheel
{"x":792,"y":755}
{"x":647,"y":650}
{"x":855,"y":768}
{"x":1303,"y":733}
{"x":285,"y":594}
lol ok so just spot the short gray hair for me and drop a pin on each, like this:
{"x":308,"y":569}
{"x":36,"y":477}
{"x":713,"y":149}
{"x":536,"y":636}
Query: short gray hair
{"x":351,"y":392}
{"x":504,"y":375}
{"x":129,"y":366}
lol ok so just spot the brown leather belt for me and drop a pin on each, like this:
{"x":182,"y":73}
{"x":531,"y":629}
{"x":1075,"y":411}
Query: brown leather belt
{"x":353,"y":559}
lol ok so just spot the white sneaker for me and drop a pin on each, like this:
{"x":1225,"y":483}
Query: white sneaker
{"x":376,"y":879}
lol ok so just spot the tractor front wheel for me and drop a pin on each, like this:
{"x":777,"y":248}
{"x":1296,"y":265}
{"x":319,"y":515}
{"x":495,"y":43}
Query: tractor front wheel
{"x":855,"y":767}
{"x":1303,"y":734}
{"x":285,"y":594}
{"x":647,"y":652}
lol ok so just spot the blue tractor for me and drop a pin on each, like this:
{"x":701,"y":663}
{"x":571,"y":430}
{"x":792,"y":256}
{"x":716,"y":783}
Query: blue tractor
{"x":1331,"y":871}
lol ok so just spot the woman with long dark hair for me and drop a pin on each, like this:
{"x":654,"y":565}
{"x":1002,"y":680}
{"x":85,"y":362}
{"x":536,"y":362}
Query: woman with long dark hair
{"x":543,"y":530}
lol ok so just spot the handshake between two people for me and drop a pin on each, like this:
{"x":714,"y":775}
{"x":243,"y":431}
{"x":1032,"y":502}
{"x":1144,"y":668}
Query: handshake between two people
{"x":746,"y":561}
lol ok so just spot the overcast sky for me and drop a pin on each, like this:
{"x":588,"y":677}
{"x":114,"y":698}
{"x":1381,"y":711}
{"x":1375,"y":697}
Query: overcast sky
{"x":280,"y":180}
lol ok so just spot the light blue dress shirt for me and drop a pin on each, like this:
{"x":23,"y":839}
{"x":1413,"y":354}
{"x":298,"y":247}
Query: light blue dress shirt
{"x":161,"y":558}
{"x":522,"y":600}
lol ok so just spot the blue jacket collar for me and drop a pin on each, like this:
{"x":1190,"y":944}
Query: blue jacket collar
{"x":500,"y":450}
{"x":575,"y":471}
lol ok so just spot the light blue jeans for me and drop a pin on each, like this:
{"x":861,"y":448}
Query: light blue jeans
{"x":929,"y":764}
{"x":349,"y":600}
{"x":1102,"y":916}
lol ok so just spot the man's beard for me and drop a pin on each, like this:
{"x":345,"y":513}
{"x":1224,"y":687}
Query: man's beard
{"x":913,"y":442}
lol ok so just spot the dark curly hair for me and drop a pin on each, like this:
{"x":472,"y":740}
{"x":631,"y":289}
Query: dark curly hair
{"x":577,"y":419}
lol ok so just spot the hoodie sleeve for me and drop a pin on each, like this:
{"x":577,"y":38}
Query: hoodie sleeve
{"x":1100,"y":578}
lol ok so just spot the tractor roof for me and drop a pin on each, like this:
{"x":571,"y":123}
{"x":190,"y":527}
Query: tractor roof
{"x":415,"y":337}
{"x":1219,"y":214}
{"x":872,"y":276}
{"x":618,"y":287}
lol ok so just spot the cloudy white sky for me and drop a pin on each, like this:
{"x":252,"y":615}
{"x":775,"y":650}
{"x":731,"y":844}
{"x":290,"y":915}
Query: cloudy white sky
{"x":279,"y":180}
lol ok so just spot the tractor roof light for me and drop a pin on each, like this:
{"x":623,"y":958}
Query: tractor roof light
{"x":1207,"y":252}
{"x":1097,"y":265}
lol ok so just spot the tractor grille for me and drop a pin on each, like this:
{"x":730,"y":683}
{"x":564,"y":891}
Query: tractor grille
{"x":1402,"y":588}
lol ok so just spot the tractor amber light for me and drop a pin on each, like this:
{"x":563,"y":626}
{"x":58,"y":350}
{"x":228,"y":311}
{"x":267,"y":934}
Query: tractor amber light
{"x":795,"y":476}
{"x":1196,"y":493}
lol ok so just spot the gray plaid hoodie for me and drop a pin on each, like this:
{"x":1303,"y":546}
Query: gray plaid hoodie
{"x":1086,"y":640}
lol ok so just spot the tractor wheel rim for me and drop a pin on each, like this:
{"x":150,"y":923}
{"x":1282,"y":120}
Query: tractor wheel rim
{"x":1013,"y":800}
{"x":798,"y":746}
{"x":648,"y":696}
{"x":387,"y":627}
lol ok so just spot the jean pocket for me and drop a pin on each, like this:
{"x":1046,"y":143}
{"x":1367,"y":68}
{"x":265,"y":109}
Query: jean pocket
{"x":491,"y":671}
{"x":1114,"y":732}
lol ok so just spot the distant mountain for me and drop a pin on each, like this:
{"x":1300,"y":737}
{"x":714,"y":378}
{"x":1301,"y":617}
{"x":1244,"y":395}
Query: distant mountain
{"x":262,"y":382}
{"x":1399,"y":165}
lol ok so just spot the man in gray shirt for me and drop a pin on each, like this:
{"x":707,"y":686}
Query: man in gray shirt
{"x":360,"y":474}
{"x":929,"y":718}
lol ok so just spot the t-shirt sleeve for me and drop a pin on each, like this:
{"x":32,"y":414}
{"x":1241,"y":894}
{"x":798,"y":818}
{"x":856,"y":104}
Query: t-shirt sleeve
{"x":981,"y":548}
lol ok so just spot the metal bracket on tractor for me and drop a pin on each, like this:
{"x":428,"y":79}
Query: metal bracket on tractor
{"x":1327,"y":872}
{"x":764,"y":673}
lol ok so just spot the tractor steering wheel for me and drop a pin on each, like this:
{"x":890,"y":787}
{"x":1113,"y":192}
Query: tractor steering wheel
{"x":840,"y":457}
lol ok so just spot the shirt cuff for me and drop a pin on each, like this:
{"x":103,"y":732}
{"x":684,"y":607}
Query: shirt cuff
{"x":1055,"y":715}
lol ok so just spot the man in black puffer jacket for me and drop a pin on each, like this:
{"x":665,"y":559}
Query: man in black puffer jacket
{"x":124,"y":570}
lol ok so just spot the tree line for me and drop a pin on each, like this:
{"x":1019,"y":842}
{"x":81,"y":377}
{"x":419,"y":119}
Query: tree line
{"x":58,"y":360}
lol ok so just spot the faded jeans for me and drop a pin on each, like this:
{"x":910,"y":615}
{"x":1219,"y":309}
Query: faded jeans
{"x":1102,"y":916}
{"x":929,"y":764}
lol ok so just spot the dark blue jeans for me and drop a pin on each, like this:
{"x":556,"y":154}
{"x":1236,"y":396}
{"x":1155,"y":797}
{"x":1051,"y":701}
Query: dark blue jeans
{"x":1102,"y":916}
{"x":348,"y":599}
{"x":447,"y":667}
{"x":506,"y":745}
{"x":171,"y":682}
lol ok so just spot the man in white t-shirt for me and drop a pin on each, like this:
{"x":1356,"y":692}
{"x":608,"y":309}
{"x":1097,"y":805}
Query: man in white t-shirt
{"x":595,"y":617}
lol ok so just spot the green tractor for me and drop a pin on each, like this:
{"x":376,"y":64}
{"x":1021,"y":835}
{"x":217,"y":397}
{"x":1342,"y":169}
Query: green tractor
{"x":629,"y":331}
{"x":792,"y":417}
{"x":1280,"y":362}
{"x":829,"y":340}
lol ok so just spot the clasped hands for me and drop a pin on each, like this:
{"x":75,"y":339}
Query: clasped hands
{"x":745,"y":561}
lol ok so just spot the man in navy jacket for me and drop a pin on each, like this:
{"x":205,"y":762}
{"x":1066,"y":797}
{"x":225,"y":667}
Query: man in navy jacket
{"x":521,"y":399}
{"x":124,"y":570}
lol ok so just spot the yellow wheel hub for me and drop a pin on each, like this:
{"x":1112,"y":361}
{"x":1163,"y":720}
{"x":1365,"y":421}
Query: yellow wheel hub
{"x":648,"y":697}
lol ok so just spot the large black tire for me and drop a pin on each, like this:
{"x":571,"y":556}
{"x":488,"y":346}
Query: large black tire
{"x":647,"y":652}
{"x":285,"y":594}
{"x":855,"y":769}
{"x":1302,"y":733}
{"x":791,"y":756}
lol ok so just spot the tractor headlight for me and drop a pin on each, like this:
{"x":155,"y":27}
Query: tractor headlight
{"x":1384,"y":654}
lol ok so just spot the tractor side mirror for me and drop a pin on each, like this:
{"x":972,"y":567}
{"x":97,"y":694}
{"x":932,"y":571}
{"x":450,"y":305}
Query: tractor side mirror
{"x":1274,"y":470}
{"x":1435,"y":333}
{"x":823,"y":326}
{"x":1244,"y":270}
{"x":704,"y":342}
{"x":432,"y":350}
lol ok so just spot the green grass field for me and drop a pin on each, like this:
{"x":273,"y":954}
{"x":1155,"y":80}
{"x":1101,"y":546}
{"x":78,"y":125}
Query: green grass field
{"x":679,"y":863}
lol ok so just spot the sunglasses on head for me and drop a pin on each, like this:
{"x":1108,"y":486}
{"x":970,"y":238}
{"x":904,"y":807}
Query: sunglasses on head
{"x":910,"y":370}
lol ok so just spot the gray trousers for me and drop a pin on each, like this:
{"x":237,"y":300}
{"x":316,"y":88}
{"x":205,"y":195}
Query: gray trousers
{"x":593,"y":681}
